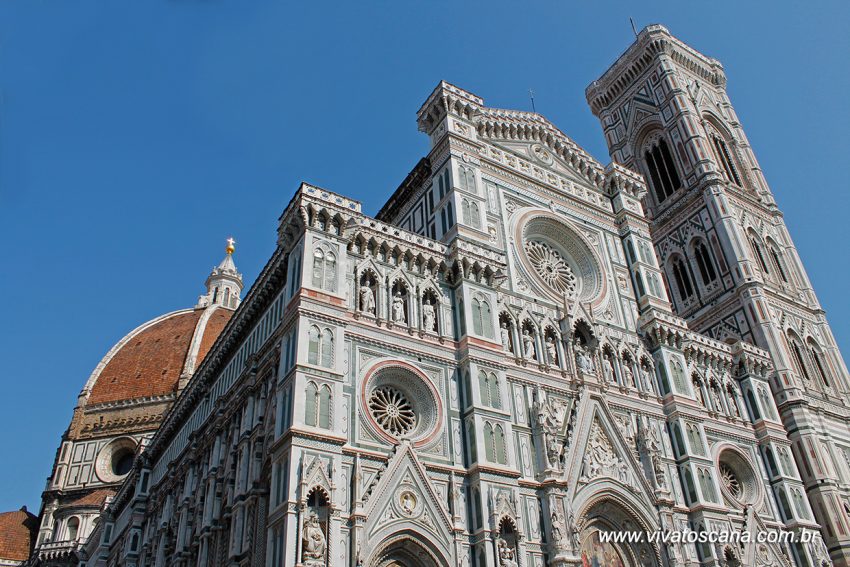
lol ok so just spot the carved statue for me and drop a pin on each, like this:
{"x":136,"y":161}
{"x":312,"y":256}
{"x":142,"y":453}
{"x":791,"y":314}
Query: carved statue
{"x":398,"y":309}
{"x":528,"y":345}
{"x":559,"y":527}
{"x":733,"y":404}
{"x":646,"y":379}
{"x":552,"y":351}
{"x":506,"y":554}
{"x":608,"y":369}
{"x":313,"y":541}
{"x":628,"y":374}
{"x":554,"y":450}
{"x":505,"y":334}
{"x":429,"y":316}
{"x":367,"y":299}
{"x":715,"y":395}
{"x":583,"y":361}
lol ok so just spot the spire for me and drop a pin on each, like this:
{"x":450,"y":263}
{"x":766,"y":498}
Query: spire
{"x":224,"y":283}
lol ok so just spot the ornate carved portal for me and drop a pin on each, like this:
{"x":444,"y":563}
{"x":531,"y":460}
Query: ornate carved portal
{"x":406,"y":551}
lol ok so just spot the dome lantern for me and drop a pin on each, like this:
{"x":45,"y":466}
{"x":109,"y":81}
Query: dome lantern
{"x":224,"y":284}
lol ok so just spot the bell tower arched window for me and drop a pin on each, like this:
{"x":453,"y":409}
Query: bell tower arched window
{"x":722,"y":151}
{"x":704,"y":263}
{"x":662,"y":170}
{"x":756,"y":244}
{"x":683,"y":279}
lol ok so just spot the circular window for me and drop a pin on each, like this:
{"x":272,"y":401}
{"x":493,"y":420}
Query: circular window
{"x":737,"y":478}
{"x":550,"y":266}
{"x":392,"y":411}
{"x":115,"y":459}
{"x":558,"y":259}
{"x":399,"y":402}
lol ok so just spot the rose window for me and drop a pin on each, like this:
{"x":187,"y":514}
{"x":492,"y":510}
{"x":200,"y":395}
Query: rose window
{"x":551,"y":266}
{"x":730,"y":480}
{"x":391,"y":409}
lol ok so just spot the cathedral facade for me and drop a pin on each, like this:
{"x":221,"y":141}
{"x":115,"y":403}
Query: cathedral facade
{"x":524,"y":352}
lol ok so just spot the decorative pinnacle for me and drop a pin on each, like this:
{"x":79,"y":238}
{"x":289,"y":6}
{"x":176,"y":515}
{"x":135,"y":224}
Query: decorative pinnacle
{"x":231,"y":245}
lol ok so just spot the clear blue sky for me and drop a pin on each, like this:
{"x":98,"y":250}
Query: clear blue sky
{"x":136,"y":136}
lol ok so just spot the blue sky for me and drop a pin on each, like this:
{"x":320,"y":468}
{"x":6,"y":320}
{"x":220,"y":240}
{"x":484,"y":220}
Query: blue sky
{"x":135,"y":137}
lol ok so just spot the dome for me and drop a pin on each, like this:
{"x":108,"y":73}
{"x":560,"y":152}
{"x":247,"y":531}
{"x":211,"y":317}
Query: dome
{"x":149,"y":362}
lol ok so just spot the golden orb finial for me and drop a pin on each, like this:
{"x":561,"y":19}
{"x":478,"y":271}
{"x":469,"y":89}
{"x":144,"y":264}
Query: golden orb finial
{"x":231,"y":246}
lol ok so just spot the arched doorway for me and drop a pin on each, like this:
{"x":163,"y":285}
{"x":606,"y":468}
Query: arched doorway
{"x":406,"y":550}
{"x":608,"y":515}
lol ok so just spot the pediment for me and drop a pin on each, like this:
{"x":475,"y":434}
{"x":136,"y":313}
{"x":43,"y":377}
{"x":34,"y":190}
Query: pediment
{"x":540,"y":156}
{"x":600,"y":452}
{"x":404,"y":497}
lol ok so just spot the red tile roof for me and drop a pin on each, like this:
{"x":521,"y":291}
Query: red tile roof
{"x":17,"y":534}
{"x":150,"y":363}
{"x":93,"y":499}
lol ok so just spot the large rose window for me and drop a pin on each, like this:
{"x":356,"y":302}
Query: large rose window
{"x":550,"y":266}
{"x":557,"y":259}
{"x":738,"y":478}
{"x":730,"y":480}
{"x":400,"y":402}
{"x":392,"y":411}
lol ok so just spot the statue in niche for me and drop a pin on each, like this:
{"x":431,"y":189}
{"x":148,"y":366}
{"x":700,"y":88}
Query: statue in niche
{"x":506,"y":554}
{"x":313,"y":541}
{"x":646,"y":379}
{"x":398,"y":308}
{"x":552,"y":350}
{"x":608,"y":369}
{"x":528,"y":345}
{"x":628,"y":374}
{"x":698,"y":393}
{"x":733,"y":402}
{"x":505,"y":334}
{"x":559,"y":527}
{"x":715,"y":396}
{"x":429,"y":316}
{"x":367,"y":298}
{"x":583,"y":360}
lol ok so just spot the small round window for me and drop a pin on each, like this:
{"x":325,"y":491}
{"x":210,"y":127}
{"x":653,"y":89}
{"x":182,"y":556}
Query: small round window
{"x":115,"y":459}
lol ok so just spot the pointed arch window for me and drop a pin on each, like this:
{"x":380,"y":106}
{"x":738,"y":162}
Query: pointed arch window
{"x":662,"y":170}
{"x":777,"y":263}
{"x":489,"y":443}
{"x":683,"y":279}
{"x":317,"y":406}
{"x":798,"y":358}
{"x":726,"y":161}
{"x":499,"y":446}
{"x":324,"y":270}
{"x":482,"y":319}
{"x":320,"y":347}
{"x":311,"y":409}
{"x":467,"y":179}
{"x":754,"y":242}
{"x":704,"y":263}
{"x":819,"y":363}
{"x":489,"y":390}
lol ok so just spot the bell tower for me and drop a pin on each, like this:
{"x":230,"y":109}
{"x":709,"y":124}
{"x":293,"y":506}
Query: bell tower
{"x":729,"y":263}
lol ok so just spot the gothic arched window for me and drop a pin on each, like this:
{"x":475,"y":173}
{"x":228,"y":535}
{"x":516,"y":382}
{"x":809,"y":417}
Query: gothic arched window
{"x":798,"y":357}
{"x":467,"y":179}
{"x":704,"y":263}
{"x":662,"y":170}
{"x":471,"y":213}
{"x":757,"y":250}
{"x":311,"y":403}
{"x":499,"y":448}
{"x":324,"y":270}
{"x":325,"y":407}
{"x":320,"y":346}
{"x":776,"y":259}
{"x":482,"y":319}
{"x":819,"y":362}
{"x":73,"y":528}
{"x":683,"y":279}
{"x":726,"y":161}
{"x":489,"y":443}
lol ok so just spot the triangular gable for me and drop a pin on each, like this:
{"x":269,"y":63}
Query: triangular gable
{"x":523,"y":150}
{"x":404,"y":496}
{"x":600,"y":452}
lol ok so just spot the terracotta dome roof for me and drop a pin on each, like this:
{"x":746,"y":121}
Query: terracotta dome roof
{"x":17,"y":534}
{"x":149,"y":361}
